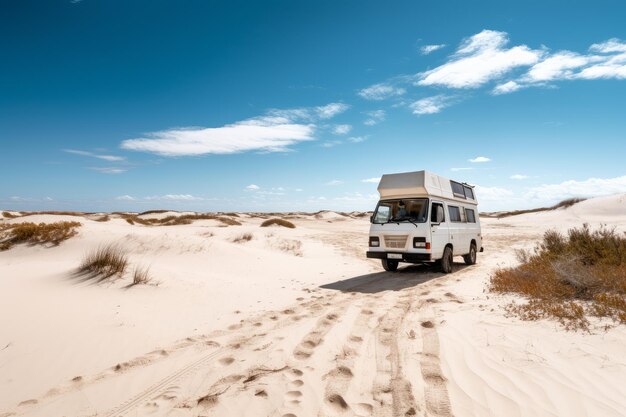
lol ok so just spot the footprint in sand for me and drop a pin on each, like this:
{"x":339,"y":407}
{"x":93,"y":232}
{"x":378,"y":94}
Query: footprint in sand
{"x":297,"y":372}
{"x":226,"y":361}
{"x":293,"y":394}
{"x":337,"y":403}
{"x":296,"y":384}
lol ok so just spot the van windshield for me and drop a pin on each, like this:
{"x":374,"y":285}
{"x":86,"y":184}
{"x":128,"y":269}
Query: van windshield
{"x":414,"y":210}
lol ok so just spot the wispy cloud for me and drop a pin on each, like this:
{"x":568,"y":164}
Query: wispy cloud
{"x":519,"y":177}
{"x":374,"y":117}
{"x":174,"y":197}
{"x":110,"y":158}
{"x":430,"y":105}
{"x":125,"y":197}
{"x":427,"y":49}
{"x":381,"y":91}
{"x":357,"y":139}
{"x":334,"y":182}
{"x":342,"y":129}
{"x":461,"y":169}
{"x":479,"y":59}
{"x":109,"y":170}
{"x":479,"y":159}
{"x":275,"y":131}
{"x":374,"y":180}
{"x":591,"y":187}
{"x":253,"y":187}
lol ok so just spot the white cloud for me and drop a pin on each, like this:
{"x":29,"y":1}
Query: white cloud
{"x":357,"y":139}
{"x":427,"y":49}
{"x":299,"y":190}
{"x":331,"y":110}
{"x":331,"y":143}
{"x":560,"y":65}
{"x":125,"y":197}
{"x":479,"y":59}
{"x":492,"y":193}
{"x":430,"y":105}
{"x":274,"y":132}
{"x":334,"y":182}
{"x":175,"y":197}
{"x":479,"y":159}
{"x":253,"y":187}
{"x":518,"y":177}
{"x":507,"y":87}
{"x":109,"y":170}
{"x":110,"y":158}
{"x":591,"y":187}
{"x":374,"y":180}
{"x":461,"y":169}
{"x":610,"y":46}
{"x":342,"y":129}
{"x":374,"y":117}
{"x":381,"y":91}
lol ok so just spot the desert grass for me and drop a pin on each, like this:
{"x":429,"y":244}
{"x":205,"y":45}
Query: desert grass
{"x":154,"y":212}
{"x":290,"y":246}
{"x":278,"y":222}
{"x":178,"y":220}
{"x":56,"y":213}
{"x":569,"y":278}
{"x":244,"y":237}
{"x":105,"y":261}
{"x":36,"y":234}
{"x":141,"y":276}
{"x":563,"y":204}
{"x":9,"y":215}
{"x":104,"y":218}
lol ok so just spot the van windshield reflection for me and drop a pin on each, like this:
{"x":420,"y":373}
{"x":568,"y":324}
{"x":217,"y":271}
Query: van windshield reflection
{"x":413,"y":210}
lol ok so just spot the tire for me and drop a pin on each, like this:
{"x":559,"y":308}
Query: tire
{"x":470,"y":258}
{"x":446,"y":260}
{"x":389,"y":265}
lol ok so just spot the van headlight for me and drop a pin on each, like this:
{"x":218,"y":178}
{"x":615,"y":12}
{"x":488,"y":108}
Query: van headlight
{"x":374,"y":241}
{"x":419,"y":242}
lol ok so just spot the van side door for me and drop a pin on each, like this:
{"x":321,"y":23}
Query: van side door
{"x":439,"y":229}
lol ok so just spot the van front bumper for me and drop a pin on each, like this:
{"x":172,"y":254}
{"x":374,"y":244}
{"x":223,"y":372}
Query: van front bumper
{"x":406,"y":256}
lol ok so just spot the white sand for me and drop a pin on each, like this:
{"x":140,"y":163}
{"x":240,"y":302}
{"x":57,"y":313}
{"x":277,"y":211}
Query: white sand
{"x":295,"y":322}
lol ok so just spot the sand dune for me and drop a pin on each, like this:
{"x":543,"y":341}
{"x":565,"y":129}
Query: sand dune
{"x":293,"y":322}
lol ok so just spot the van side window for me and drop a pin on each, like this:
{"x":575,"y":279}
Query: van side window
{"x":457,"y":189}
{"x":469,"y":213}
{"x":455,"y":214}
{"x":469,"y":193}
{"x":433,"y":212}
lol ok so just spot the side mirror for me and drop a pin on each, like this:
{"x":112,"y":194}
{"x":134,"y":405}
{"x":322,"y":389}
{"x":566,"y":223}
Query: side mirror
{"x":439,"y":214}
{"x":372,"y":218}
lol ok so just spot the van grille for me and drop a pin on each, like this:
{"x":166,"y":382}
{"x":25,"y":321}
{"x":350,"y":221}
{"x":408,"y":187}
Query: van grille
{"x":396,"y":242}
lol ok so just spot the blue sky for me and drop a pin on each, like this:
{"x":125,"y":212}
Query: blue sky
{"x":294,"y":105}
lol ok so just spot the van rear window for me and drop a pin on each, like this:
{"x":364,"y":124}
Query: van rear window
{"x":470,"y":216}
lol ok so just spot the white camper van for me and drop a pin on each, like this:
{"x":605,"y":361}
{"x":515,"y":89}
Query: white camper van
{"x":423,"y":217}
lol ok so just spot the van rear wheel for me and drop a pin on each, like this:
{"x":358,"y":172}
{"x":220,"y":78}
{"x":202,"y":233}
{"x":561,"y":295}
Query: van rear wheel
{"x":389,"y":265}
{"x":470,"y":258}
{"x":446,"y":260}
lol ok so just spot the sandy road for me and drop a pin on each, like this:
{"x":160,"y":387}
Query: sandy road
{"x":363,"y":346}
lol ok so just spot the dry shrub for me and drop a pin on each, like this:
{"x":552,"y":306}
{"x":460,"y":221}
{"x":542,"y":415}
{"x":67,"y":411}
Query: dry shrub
{"x":245,"y":237}
{"x":9,"y":215}
{"x":141,"y":276}
{"x":56,"y":213}
{"x":278,"y":222}
{"x":154,"y":212}
{"x":569,"y":277}
{"x":290,"y":246}
{"x":36,"y":234}
{"x":178,"y":220}
{"x":105,"y":261}
{"x":104,"y":218}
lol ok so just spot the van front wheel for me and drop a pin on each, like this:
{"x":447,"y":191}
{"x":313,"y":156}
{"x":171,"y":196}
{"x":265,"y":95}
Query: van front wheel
{"x":446,"y":260}
{"x":389,"y":265}
{"x":470,"y":258}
